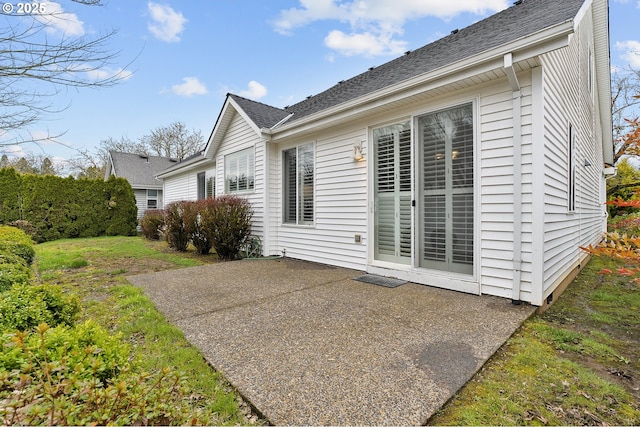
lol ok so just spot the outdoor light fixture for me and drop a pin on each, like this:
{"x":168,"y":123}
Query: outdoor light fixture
{"x":357,"y":151}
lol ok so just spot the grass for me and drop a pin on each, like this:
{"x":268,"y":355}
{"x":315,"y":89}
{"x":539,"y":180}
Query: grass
{"x":577,"y":364}
{"x":95,"y":269}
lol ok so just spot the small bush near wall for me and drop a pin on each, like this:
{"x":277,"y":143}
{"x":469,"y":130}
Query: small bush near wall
{"x":175,"y":230}
{"x":151,"y":223}
{"x":194,"y":214}
{"x":51,"y":207}
{"x":227,"y":222}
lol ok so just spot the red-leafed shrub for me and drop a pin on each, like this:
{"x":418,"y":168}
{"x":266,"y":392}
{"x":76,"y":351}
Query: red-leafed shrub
{"x":151,"y":223}
{"x":226,"y":221}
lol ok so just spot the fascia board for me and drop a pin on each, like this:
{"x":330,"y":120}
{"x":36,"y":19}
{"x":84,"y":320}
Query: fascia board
{"x":221,"y":126}
{"x":179,"y":168}
{"x":542,"y":42}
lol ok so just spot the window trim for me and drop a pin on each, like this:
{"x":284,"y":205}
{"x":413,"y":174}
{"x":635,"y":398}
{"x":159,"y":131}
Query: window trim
{"x":299,"y":214}
{"x":250,"y":169}
{"x":571,"y":168}
{"x":150,"y":198}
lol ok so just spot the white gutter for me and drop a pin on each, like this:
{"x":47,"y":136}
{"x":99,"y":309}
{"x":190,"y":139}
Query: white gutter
{"x":517,"y":177}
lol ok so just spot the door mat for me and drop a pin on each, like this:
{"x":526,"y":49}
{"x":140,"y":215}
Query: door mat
{"x":374,"y":279}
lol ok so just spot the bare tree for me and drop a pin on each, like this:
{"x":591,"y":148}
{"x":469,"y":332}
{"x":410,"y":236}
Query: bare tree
{"x":625,"y":88}
{"x":35,"y":66}
{"x":173,"y":141}
{"x":87,"y":164}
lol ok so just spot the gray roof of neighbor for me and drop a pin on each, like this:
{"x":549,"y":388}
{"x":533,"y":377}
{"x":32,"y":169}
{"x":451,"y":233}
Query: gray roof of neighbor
{"x":518,"y":21}
{"x":138,"y":169}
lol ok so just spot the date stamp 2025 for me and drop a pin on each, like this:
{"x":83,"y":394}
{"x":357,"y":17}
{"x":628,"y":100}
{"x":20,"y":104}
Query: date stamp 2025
{"x":24,"y":8}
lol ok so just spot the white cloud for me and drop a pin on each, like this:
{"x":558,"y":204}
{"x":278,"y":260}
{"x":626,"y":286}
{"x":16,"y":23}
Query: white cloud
{"x":108,"y":73}
{"x":630,"y":52}
{"x":59,"y":21}
{"x":366,"y":44}
{"x":254,"y":91}
{"x":13,"y":151}
{"x":191,"y":86}
{"x":375,"y":24}
{"x":167,"y":23}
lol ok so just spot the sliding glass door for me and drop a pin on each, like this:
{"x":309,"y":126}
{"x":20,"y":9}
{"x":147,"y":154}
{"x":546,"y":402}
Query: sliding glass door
{"x":445,"y":190}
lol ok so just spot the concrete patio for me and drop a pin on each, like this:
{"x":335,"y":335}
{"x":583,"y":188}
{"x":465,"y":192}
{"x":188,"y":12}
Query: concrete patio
{"x":307,"y":344}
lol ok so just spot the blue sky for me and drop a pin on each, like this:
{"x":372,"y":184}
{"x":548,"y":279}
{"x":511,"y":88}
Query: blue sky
{"x":180,"y":58}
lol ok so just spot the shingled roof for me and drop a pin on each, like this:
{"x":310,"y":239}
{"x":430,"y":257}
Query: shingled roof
{"x":524,"y":18}
{"x":139,"y":170}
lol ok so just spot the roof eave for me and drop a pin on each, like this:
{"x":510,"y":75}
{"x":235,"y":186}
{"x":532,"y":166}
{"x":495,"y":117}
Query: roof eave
{"x":536,"y":44}
{"x":181,"y":167}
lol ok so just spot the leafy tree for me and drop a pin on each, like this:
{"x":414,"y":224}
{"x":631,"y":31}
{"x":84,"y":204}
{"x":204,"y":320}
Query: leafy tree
{"x":35,"y":64}
{"x":31,"y":164}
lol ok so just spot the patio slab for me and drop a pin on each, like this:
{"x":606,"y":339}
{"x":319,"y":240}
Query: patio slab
{"x":307,"y":344}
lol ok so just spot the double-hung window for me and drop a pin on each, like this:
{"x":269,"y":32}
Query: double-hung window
{"x":298,"y":184}
{"x":239,"y":171}
{"x":152,"y":199}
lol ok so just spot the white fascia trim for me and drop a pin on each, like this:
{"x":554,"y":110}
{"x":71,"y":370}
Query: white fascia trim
{"x":244,"y":115}
{"x":542,"y":42}
{"x":185,"y":168}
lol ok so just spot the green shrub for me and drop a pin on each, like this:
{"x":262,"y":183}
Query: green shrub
{"x":151,"y":223}
{"x":84,"y":376}
{"x":15,"y":241}
{"x":122,"y":212}
{"x":192,"y":215}
{"x":24,"y":307}
{"x":13,"y":273}
{"x":53,"y":207}
{"x":227,"y":223}
{"x":175,"y":228}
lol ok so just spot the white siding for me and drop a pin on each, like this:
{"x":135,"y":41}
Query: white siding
{"x":141,"y":200}
{"x":240,"y":136}
{"x":184,"y":186}
{"x":497,"y":230}
{"x":567,"y":99}
{"x":340,"y":203}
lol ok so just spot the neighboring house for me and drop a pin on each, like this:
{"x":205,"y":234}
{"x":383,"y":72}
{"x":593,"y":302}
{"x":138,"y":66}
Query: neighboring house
{"x":476,"y":163}
{"x":140,"y":170}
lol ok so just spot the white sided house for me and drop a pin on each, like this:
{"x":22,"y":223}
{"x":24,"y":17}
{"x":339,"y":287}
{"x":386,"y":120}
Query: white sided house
{"x":140,"y":171}
{"x":476,"y":163}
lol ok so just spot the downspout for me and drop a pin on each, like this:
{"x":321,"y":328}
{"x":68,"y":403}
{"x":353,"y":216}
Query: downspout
{"x":517,"y":177}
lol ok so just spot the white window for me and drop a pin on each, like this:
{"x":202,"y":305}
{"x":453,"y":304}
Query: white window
{"x":239,"y":171}
{"x":152,"y":199}
{"x":211,"y":187}
{"x":202,"y":192}
{"x":298,"y":185}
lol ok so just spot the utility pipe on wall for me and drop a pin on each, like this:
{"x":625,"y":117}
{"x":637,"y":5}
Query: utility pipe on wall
{"x":517,"y":177}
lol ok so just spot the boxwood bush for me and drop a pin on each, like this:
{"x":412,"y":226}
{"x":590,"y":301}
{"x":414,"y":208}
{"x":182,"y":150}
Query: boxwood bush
{"x":84,"y":376}
{"x":15,"y":241}
{"x":25,"y":306}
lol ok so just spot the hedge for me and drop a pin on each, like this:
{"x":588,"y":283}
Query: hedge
{"x":56,"y":207}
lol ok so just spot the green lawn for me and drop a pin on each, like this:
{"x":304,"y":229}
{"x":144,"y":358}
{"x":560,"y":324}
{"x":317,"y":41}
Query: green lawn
{"x":577,"y":364}
{"x":95,"y":269}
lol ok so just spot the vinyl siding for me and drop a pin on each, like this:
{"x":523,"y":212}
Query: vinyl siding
{"x":240,"y":136}
{"x":184,"y":186}
{"x":340,"y":203}
{"x":567,"y":99}
{"x":496,"y":181}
